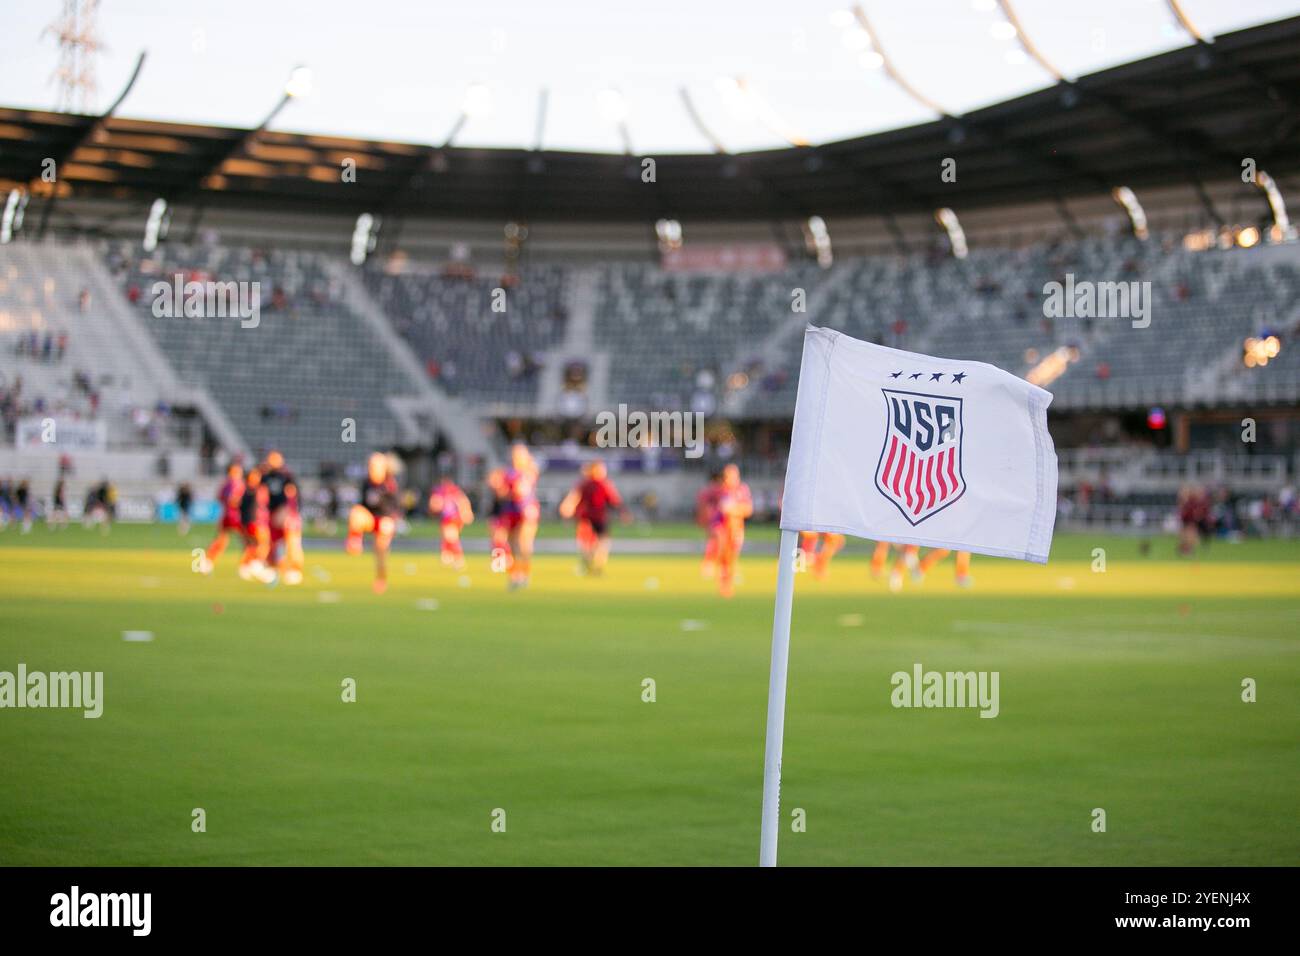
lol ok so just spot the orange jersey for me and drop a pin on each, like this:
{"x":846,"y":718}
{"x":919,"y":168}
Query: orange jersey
{"x":735,"y":505}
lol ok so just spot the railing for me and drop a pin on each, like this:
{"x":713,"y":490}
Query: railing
{"x":1163,"y":519}
{"x":1166,"y":469}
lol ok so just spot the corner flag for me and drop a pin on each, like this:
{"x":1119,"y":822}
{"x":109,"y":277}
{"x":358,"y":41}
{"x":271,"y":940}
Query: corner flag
{"x":908,"y":448}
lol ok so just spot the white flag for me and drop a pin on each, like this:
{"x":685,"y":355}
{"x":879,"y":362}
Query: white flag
{"x":903,"y":447}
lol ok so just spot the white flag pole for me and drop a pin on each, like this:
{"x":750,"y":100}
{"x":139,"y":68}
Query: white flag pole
{"x":776,"y":698}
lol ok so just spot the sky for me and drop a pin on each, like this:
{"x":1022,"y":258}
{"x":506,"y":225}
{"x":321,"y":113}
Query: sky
{"x":402,"y":70}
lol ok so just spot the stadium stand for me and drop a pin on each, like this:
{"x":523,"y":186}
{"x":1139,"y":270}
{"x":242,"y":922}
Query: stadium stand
{"x":411,"y":348}
{"x":65,"y":361}
{"x":310,"y":363}
{"x":465,"y":344}
{"x":990,"y":307}
{"x":670,"y":336}
{"x":725,"y":344}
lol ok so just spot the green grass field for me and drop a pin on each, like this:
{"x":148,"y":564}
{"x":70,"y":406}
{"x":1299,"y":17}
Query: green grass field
{"x":1119,"y":690}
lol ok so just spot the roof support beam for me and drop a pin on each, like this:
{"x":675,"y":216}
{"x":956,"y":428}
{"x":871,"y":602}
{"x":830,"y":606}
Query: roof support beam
{"x":88,"y":135}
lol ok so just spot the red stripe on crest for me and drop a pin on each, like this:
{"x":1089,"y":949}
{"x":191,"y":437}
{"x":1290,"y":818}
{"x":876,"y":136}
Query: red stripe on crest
{"x":907,"y":482}
{"x":893,"y":447}
{"x":920,"y":493}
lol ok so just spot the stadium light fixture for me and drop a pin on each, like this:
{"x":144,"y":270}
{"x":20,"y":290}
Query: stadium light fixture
{"x":299,"y":83}
{"x":733,"y":95}
{"x":952,"y":226}
{"x":1003,"y":30}
{"x":864,"y":25}
{"x":817,"y":239}
{"x":478,"y":101}
{"x":1136,"y":214}
{"x":1011,"y":28}
{"x":1283,"y":230}
{"x":855,"y":38}
{"x":365,"y":235}
{"x":669,"y":232}
{"x":297,"y":86}
{"x":155,"y":227}
{"x":746,"y":104}
{"x":12,"y":219}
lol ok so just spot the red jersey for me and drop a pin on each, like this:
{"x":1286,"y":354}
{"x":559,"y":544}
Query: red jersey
{"x":232,"y":490}
{"x":448,"y":495}
{"x":520,"y":491}
{"x":706,"y":506}
{"x":1195,"y":510}
{"x":595,"y":496}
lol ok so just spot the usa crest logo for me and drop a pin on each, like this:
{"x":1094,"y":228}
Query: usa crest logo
{"x":920,"y":464}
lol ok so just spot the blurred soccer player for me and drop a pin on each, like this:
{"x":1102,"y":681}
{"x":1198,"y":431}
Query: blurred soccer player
{"x":878,"y":559}
{"x":23,"y":505}
{"x":58,"y":516}
{"x":255,"y":523}
{"x":907,"y":560}
{"x":498,"y":531}
{"x":376,"y":513}
{"x":589,"y":502}
{"x":709,"y":518}
{"x":451,"y":507}
{"x":1194,"y":517}
{"x":821,"y":546}
{"x":229,"y":496}
{"x":286,"y":520}
{"x":520,"y":511}
{"x":103,"y":507}
{"x":184,"y":502}
{"x":935,"y":555}
{"x":735,"y":505}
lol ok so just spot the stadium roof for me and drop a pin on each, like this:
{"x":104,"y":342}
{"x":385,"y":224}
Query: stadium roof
{"x":1187,"y":116}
